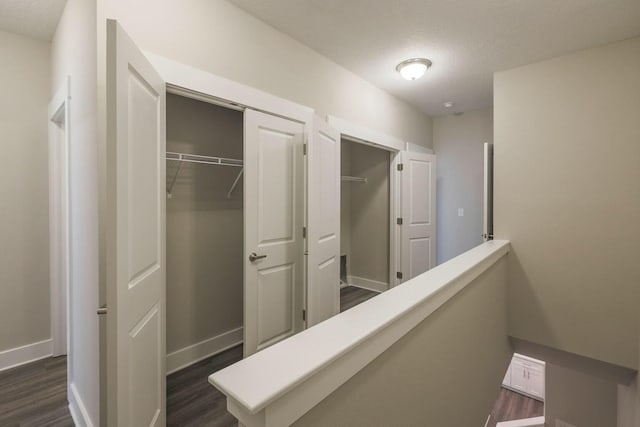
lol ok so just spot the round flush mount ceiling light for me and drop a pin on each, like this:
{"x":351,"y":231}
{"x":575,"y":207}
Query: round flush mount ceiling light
{"x":414,"y":68}
{"x":448,"y":104}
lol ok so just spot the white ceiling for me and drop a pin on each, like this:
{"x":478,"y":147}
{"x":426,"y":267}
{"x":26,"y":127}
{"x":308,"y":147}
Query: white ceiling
{"x":33,"y":18}
{"x":467,"y":40}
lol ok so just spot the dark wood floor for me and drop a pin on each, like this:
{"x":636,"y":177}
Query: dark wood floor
{"x":514,"y":406}
{"x":35,"y":395}
{"x":351,"y":296}
{"x":192,"y":401}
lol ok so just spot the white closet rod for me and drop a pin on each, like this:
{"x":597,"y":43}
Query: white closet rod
{"x":354,"y":179}
{"x":207,"y":160}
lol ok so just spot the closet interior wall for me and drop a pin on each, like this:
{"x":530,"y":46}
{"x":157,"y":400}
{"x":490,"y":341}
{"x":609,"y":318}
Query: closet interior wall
{"x":364,"y":215}
{"x":204,"y":226}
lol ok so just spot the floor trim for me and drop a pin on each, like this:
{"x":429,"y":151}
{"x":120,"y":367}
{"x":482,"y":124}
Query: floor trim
{"x":18,"y":356}
{"x":368,"y":284}
{"x":77,"y":409}
{"x":187,"y":356}
{"x":525,"y":422}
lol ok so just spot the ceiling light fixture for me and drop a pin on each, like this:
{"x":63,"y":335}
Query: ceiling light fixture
{"x":414,"y":68}
{"x":448,"y":104}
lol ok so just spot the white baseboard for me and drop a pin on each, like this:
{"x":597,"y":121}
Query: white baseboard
{"x":371,"y":285}
{"x":15,"y":357}
{"x":526,"y":422}
{"x":194,"y":353}
{"x":77,"y":409}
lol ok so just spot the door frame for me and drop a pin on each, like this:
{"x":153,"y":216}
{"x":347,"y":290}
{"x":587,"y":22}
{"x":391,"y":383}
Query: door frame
{"x":59,"y":114}
{"x":394,"y":146}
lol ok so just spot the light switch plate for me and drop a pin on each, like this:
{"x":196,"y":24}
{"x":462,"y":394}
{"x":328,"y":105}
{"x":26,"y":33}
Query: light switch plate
{"x":560,"y":423}
{"x":460,"y":211}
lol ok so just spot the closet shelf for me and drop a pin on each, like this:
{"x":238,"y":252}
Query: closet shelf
{"x":205,"y":160}
{"x":353,"y":178}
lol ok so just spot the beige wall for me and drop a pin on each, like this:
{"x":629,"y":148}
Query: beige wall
{"x":417,"y":383}
{"x":204,"y":228}
{"x":24,"y":189}
{"x":74,"y":54}
{"x":567,"y":196}
{"x":579,"y":399}
{"x":365,"y":212}
{"x":458,"y":142}
{"x":218,"y":37}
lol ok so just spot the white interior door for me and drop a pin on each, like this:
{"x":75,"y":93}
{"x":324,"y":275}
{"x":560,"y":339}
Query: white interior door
{"x":323,"y":243}
{"x":487,"y":214}
{"x":274,"y":213}
{"x":418,"y":229}
{"x":136,"y":236}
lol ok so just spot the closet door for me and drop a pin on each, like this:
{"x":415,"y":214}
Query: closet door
{"x":274,"y":212}
{"x":323,"y":244}
{"x":487,"y":205}
{"x":418,"y":229}
{"x":135,"y":236}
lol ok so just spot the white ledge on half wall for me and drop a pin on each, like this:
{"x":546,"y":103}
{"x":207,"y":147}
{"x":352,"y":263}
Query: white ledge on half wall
{"x":279,"y":384}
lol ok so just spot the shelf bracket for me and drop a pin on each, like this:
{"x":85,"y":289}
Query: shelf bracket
{"x":173,"y":181}
{"x":233,"y":186}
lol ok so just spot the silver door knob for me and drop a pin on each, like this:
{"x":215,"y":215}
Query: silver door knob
{"x":253,"y":257}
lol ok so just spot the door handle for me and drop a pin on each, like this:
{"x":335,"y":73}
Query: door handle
{"x":253,"y":257}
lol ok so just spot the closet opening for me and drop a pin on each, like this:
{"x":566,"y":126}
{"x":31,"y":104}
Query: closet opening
{"x":365,"y":220}
{"x":204,"y":230}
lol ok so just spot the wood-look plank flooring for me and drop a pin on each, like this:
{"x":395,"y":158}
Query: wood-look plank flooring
{"x":350,"y":296}
{"x":35,"y":395}
{"x":514,"y":406}
{"x":192,"y":401}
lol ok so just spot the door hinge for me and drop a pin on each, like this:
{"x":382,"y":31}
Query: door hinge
{"x":399,"y":221}
{"x":304,"y":232}
{"x":304,"y":315}
{"x":400,"y":167}
{"x":399,"y":275}
{"x":304,"y":149}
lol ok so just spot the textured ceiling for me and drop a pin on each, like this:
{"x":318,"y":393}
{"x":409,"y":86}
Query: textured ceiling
{"x":467,"y":40}
{"x":33,"y":18}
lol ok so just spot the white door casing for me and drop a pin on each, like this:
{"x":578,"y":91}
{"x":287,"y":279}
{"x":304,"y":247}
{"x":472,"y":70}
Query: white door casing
{"x":59,"y":224}
{"x":136,"y":389}
{"x":418,"y":230}
{"x":323,"y":241}
{"x":274,"y":213}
